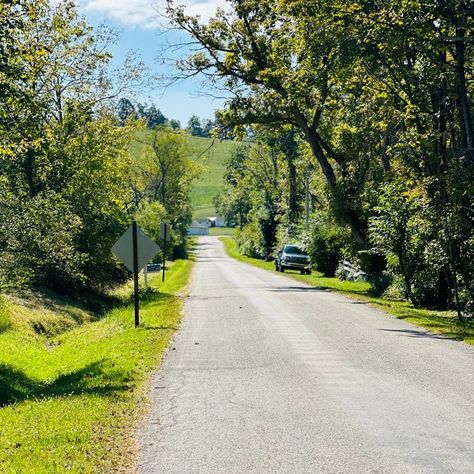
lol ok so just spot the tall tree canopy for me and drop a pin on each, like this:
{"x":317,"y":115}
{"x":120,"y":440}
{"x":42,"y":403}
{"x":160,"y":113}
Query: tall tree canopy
{"x":286,"y":63}
{"x":378,"y":91}
{"x":63,"y":160}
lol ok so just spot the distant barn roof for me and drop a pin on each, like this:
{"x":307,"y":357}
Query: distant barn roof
{"x":198,"y":225}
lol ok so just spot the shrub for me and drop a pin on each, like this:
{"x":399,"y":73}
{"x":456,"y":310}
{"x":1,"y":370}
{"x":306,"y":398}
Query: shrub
{"x":326,"y":247}
{"x":250,"y":241}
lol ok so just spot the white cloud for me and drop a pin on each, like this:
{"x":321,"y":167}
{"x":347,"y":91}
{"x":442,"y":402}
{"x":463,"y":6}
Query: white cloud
{"x":205,"y":9}
{"x":145,"y":12}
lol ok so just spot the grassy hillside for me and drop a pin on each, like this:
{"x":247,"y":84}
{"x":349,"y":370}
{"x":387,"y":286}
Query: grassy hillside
{"x":213,"y":155}
{"x":72,"y":383}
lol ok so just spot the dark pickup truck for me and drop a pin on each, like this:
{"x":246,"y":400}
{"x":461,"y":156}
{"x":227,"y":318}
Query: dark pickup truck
{"x":291,"y":257}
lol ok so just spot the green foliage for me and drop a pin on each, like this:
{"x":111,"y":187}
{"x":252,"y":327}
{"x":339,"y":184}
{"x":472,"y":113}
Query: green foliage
{"x":251,"y":241}
{"x":285,"y":66}
{"x":400,"y":231}
{"x":152,"y":115}
{"x":261,"y":190}
{"x":209,"y":155}
{"x":416,"y":244}
{"x":200,"y":128}
{"x":381,"y":93}
{"x":163,"y":173}
{"x":326,"y":247}
{"x":150,"y":219}
{"x":60,"y":234}
{"x":233,"y":202}
{"x":125,"y":110}
{"x":63,"y":160}
{"x":38,"y":240}
{"x":97,"y":192}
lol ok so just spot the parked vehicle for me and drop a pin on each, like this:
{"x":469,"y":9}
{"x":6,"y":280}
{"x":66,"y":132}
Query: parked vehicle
{"x":153,"y":267}
{"x":291,"y":257}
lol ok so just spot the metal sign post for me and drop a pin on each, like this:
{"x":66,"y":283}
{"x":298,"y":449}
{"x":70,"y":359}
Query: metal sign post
{"x":164,"y":252}
{"x":135,"y":273}
{"x":165,"y":230}
{"x":135,"y":249}
{"x":145,"y":276}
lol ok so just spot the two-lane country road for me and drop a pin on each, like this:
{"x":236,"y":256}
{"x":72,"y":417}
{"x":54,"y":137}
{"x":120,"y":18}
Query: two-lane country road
{"x":269,"y":375}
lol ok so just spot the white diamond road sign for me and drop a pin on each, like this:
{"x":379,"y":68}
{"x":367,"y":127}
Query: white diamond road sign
{"x":123,"y":248}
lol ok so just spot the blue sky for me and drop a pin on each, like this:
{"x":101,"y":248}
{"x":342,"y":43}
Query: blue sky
{"x":140,"y":29}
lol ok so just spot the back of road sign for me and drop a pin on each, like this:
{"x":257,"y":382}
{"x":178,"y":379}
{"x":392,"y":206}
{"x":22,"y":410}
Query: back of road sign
{"x":165,"y":232}
{"x":146,"y":248}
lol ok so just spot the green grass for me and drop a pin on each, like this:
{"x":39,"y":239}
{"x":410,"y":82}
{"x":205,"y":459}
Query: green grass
{"x":69,"y":402}
{"x":221,"y":231}
{"x":441,"y":322}
{"x":212,"y":154}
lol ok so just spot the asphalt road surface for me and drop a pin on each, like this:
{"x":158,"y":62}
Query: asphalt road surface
{"x":270,"y":375}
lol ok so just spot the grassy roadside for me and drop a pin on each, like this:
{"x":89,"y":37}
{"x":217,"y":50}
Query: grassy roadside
{"x":221,"y":231}
{"x":69,"y":401}
{"x":444,"y":323}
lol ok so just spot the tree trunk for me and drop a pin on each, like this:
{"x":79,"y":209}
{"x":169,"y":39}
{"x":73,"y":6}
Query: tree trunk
{"x":292,"y":190}
{"x":30,"y":172}
{"x":466,"y":121}
{"x":289,"y":148}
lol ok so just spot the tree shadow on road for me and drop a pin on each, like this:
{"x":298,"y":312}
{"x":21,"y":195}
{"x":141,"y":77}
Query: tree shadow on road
{"x":416,"y":334}
{"x":303,"y":289}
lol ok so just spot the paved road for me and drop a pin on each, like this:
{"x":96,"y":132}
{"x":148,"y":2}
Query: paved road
{"x":269,"y":375}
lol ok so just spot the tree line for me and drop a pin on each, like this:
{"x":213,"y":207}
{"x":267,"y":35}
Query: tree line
{"x":69,"y":185}
{"x":373,"y":102}
{"x":150,"y":114}
{"x":153,"y":117}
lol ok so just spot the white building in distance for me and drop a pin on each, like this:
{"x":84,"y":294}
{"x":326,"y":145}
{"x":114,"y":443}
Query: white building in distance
{"x":196,"y":228}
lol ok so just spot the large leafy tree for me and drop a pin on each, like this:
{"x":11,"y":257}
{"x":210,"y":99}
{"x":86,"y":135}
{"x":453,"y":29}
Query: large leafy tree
{"x":163,"y":174}
{"x":288,"y":63}
{"x":418,"y":56}
{"x":63,"y":161}
{"x":377,"y":89}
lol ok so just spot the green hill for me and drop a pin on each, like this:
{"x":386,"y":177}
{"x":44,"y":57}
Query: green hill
{"x":213,"y":154}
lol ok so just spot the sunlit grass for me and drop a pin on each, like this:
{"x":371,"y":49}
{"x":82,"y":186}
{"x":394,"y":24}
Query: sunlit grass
{"x":221,"y":231}
{"x":441,"y":322}
{"x":213,"y":154}
{"x":70,"y":401}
